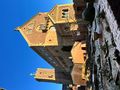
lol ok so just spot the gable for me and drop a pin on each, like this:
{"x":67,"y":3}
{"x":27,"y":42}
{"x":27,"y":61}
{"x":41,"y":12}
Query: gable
{"x":37,"y":31}
{"x":31,"y":30}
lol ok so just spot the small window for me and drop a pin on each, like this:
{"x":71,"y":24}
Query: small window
{"x":56,"y":51}
{"x":65,"y":10}
{"x":46,"y":18}
{"x":67,"y":28}
{"x":40,"y":72}
{"x":79,"y":8}
{"x":50,"y":76}
{"x":66,"y":48}
{"x":65,"y":13}
{"x":83,"y":48}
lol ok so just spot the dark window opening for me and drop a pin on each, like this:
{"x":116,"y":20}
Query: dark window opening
{"x":102,"y":15}
{"x":46,"y":18}
{"x":90,"y":1}
{"x":83,"y":48}
{"x":84,"y":57}
{"x":89,"y":13}
{"x":85,"y":54}
{"x":65,"y":13}
{"x":65,"y":10}
{"x":50,"y":76}
{"x":79,"y":8}
{"x":56,"y":51}
{"x":66,"y":48}
{"x":67,"y":28}
{"x":107,"y":29}
{"x":81,"y":88}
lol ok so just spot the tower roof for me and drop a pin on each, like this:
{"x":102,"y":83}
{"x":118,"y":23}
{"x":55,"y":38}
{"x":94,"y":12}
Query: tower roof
{"x":36,"y":33}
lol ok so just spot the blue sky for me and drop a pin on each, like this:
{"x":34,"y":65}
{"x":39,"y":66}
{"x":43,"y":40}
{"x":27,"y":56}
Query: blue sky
{"x":17,"y":60}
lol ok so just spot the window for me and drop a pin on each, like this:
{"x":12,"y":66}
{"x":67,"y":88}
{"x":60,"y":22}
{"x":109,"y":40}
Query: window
{"x":50,"y":76}
{"x":65,"y":13}
{"x":83,"y":48}
{"x":67,"y":29}
{"x":66,"y":48}
{"x":79,"y":8}
{"x":40,"y":72}
{"x":46,"y":18}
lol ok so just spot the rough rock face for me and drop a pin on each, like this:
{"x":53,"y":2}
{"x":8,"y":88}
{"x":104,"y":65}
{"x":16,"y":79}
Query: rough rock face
{"x":104,"y":46}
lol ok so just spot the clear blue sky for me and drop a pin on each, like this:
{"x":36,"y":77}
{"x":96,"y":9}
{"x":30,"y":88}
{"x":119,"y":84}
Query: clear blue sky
{"x":17,"y":60}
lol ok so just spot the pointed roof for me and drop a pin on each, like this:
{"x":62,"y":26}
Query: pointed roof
{"x":33,"y":33}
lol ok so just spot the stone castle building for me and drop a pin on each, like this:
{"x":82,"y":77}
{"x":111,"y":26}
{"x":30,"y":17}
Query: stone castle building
{"x":59,"y":37}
